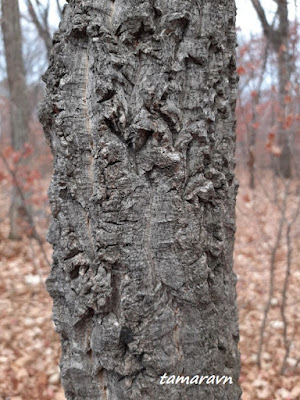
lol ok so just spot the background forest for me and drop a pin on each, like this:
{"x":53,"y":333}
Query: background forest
{"x":267,"y":249}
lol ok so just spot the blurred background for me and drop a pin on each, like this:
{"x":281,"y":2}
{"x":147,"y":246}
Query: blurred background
{"x":267,"y":249}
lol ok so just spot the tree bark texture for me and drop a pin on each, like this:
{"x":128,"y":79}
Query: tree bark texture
{"x":140,"y":116}
{"x":19,"y":115}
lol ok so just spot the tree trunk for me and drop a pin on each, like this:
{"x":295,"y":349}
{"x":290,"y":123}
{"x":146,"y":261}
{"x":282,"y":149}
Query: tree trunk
{"x":12,"y":37}
{"x":140,"y":116}
{"x":283,"y":62}
{"x":284,"y":164}
{"x":279,"y":40}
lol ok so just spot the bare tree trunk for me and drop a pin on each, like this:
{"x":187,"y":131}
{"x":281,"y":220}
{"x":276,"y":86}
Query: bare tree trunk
{"x":252,"y":129}
{"x":140,"y":116}
{"x":283,"y":59}
{"x":279,"y":38}
{"x":18,"y":102}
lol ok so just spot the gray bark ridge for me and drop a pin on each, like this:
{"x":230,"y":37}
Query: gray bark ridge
{"x":139,"y":114}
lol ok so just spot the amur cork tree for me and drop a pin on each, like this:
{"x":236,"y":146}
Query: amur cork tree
{"x":140,"y":117}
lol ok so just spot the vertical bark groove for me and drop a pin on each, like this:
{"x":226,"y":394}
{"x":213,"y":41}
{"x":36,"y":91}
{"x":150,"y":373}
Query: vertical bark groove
{"x":148,"y":238}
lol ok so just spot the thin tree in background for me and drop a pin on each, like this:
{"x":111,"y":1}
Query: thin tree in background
{"x":278,"y":37}
{"x":19,"y":116}
{"x":140,"y":117}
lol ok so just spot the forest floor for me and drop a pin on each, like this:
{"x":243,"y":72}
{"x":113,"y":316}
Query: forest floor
{"x":29,"y":346}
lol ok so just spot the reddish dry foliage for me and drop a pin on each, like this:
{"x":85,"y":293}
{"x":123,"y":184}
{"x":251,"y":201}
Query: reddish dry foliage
{"x":29,"y":346}
{"x":257,"y":226}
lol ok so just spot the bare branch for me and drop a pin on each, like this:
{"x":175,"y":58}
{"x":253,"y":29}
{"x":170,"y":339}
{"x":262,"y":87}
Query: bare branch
{"x":43,"y":31}
{"x":29,"y":216}
{"x":262,"y":17}
{"x":272,"y":273}
{"x":59,"y":8}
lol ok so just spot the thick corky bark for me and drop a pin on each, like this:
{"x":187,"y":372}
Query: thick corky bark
{"x":139,"y":114}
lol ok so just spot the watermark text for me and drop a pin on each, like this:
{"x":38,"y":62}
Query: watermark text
{"x":195,"y":380}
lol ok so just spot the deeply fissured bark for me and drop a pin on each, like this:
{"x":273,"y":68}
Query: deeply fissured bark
{"x":139,"y":114}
